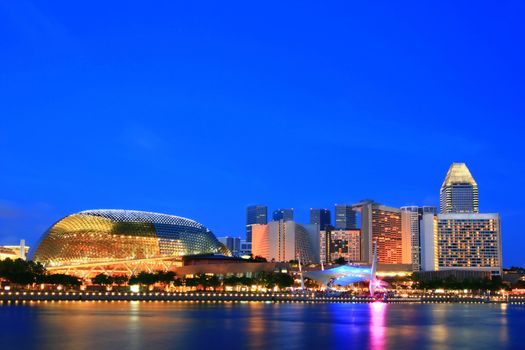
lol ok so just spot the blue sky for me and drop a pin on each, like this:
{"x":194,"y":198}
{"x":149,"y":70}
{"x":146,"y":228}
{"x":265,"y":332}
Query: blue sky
{"x":199,"y":109}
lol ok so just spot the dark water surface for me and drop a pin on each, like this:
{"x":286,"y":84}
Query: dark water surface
{"x":157,"y":325}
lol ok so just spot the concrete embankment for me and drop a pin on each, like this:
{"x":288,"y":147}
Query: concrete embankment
{"x":15,"y":296}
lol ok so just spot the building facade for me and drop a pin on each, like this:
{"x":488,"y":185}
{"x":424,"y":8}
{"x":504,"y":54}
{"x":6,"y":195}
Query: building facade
{"x":345,"y":217}
{"x":321,"y":217}
{"x":255,"y":214}
{"x":411,"y":249}
{"x":469,"y":242}
{"x":380,"y":226}
{"x":335,"y":244}
{"x":285,"y":241}
{"x":459,"y":192}
{"x":428,"y":226}
{"x":283,"y":214}
{"x":414,"y":227}
{"x":14,"y":252}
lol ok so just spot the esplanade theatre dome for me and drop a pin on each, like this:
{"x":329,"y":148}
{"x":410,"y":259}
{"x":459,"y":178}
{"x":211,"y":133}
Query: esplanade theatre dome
{"x":103,"y":236}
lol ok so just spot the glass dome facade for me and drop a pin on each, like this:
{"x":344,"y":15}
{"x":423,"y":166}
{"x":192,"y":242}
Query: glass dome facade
{"x":101,"y":236}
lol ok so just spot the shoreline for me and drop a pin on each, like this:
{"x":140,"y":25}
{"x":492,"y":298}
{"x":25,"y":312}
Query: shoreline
{"x":215,"y":297}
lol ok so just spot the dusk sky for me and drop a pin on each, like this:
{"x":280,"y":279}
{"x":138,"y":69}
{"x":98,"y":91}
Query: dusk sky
{"x":199,"y":109}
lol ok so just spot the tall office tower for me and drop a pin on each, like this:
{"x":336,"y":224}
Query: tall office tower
{"x":411,"y":248}
{"x":285,"y":241}
{"x":345,"y":217}
{"x":320,"y":217}
{"x":414,"y":226}
{"x":255,"y":214}
{"x":380,"y":225}
{"x":283,"y":214}
{"x":336,"y":244}
{"x":469,"y":242}
{"x":232,"y":243}
{"x":459,"y":192}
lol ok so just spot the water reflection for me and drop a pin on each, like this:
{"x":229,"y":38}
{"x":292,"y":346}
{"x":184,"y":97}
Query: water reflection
{"x":377,"y":325}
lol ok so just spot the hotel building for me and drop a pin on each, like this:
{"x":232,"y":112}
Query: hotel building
{"x":469,"y":242}
{"x":381,"y":225}
{"x":285,"y":241}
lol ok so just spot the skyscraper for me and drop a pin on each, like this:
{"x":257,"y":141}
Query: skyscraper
{"x":345,"y":217}
{"x":283,"y":214}
{"x":459,"y":192}
{"x":255,"y":214}
{"x":320,"y":217}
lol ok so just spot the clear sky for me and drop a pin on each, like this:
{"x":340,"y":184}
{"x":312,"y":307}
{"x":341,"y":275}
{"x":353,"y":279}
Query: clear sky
{"x":200,"y":108}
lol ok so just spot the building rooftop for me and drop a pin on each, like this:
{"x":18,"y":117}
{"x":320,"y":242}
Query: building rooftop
{"x":458,"y":173}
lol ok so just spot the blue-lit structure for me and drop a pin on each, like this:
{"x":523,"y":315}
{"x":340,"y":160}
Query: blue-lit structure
{"x":345,"y":275}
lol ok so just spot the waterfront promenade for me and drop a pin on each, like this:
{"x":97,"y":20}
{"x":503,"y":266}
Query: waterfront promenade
{"x":309,"y":297}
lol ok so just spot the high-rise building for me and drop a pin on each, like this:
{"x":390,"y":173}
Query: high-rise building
{"x":414,"y":226}
{"x":286,"y":240}
{"x":469,"y":242}
{"x":232,"y":243}
{"x":337,"y":244}
{"x":380,"y":225}
{"x":255,"y":214}
{"x":428,"y":235}
{"x":283,"y":214}
{"x":320,"y":217}
{"x":459,"y":192}
{"x":410,"y":236}
{"x":345,"y":217}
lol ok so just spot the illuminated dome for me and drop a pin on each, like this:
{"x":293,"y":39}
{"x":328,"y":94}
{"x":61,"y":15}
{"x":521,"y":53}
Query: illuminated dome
{"x":103,"y":236}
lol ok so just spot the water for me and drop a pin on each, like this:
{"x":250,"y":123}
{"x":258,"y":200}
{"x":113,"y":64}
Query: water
{"x":172,"y":325}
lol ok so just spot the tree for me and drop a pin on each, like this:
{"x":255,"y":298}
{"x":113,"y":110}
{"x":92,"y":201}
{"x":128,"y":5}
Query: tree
{"x":102,"y":280}
{"x":283,"y":280}
{"x":20,"y":271}
{"x":144,"y":278}
{"x":165,"y":277}
{"x":60,"y":279}
{"x":120,"y":279}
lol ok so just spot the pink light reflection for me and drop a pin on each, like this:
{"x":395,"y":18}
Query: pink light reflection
{"x":377,"y":327}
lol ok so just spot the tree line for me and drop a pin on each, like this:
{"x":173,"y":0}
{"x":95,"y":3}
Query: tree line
{"x":29,"y":272}
{"x":23,"y":272}
{"x":265,"y":279}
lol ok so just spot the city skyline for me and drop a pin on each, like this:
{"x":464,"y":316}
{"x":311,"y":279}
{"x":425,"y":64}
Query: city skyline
{"x":198,"y":111}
